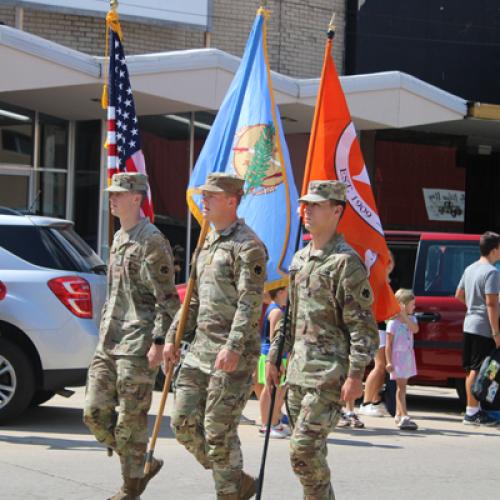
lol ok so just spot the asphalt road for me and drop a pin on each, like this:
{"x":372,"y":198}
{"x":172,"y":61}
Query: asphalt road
{"x":49,"y":454}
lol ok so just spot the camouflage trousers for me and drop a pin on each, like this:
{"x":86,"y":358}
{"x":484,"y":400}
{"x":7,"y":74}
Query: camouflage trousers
{"x":205,"y":420}
{"x":314,"y":414}
{"x":125,"y":382}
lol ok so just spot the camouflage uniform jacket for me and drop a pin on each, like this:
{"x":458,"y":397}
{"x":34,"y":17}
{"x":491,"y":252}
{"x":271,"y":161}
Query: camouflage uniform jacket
{"x":227,"y":299}
{"x":141,"y":295}
{"x":332,"y":327}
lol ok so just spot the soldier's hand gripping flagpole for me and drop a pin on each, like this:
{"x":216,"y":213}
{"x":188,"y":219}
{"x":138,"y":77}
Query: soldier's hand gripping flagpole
{"x":178,"y":338}
{"x":286,"y":321}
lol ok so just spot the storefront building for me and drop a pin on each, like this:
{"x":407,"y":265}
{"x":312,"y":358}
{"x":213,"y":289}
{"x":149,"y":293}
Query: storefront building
{"x":52,"y":128}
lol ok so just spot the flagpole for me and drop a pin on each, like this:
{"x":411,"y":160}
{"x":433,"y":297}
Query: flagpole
{"x":328,"y":47}
{"x":113,"y":5}
{"x":286,"y":321}
{"x":187,"y":253}
{"x":277,"y":129}
{"x":181,"y":326}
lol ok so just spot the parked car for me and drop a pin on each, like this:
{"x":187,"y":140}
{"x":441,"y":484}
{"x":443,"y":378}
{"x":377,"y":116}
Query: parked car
{"x":52,"y":288}
{"x":432,"y":265}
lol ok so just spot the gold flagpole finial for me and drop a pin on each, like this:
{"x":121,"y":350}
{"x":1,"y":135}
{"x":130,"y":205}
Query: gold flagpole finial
{"x":331,"y":27}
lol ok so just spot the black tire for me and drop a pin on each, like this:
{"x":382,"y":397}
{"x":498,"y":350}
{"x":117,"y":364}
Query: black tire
{"x":40,"y":397}
{"x":461,"y":392}
{"x":20,"y":376}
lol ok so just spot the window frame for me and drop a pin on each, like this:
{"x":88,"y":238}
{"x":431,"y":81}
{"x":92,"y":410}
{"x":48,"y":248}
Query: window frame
{"x":421,"y":265}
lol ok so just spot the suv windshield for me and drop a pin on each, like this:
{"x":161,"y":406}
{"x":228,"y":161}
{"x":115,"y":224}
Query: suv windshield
{"x":54,"y":247}
{"x":441,"y":265}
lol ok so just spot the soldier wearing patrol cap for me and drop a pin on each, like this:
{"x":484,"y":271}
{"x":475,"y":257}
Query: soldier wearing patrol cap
{"x":215,"y":379}
{"x":140,"y":305}
{"x":332,"y":335}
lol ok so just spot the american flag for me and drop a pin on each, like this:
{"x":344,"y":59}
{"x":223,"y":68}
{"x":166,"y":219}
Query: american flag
{"x":124,"y":145}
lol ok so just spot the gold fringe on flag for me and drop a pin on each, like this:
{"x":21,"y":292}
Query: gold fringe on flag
{"x":112,"y":22}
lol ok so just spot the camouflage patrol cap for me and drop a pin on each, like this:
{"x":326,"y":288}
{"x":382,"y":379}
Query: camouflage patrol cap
{"x":319,"y":191}
{"x":128,"y":181}
{"x":223,"y":183}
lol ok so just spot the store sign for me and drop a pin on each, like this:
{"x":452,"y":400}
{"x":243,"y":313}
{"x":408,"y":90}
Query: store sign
{"x":445,"y":204}
{"x":195,"y":13}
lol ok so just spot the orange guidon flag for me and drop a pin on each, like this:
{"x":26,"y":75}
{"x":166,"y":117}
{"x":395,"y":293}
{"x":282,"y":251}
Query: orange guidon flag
{"x":334,"y":153}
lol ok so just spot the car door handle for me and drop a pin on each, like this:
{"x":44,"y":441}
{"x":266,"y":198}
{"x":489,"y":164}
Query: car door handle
{"x":428,"y":316}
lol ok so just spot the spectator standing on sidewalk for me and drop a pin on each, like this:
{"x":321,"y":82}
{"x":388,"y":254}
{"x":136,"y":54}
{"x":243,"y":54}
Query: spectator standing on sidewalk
{"x":478,"y":290}
{"x":371,"y":398}
{"x":273,"y":314}
{"x":400,"y":355}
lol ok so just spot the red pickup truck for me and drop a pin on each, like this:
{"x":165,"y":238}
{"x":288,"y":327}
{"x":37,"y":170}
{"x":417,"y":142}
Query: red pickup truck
{"x":432,"y":265}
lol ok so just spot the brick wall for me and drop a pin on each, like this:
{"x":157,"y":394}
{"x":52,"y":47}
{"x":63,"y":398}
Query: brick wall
{"x":296,"y":32}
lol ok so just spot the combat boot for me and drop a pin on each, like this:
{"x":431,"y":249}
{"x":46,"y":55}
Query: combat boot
{"x":228,"y":496}
{"x":156,"y":465}
{"x":248,"y":487}
{"x":129,"y":490}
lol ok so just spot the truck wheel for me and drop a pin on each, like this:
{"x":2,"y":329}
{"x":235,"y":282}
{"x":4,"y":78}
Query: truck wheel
{"x":40,"y":397}
{"x":17,"y":381}
{"x":461,"y":393}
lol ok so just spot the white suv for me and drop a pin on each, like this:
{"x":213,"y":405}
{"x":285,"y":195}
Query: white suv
{"x":52,"y":288}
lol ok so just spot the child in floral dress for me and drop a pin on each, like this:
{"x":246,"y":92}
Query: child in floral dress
{"x":400,"y":355}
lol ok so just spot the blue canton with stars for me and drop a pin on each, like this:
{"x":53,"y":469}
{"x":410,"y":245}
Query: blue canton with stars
{"x":120,"y":96}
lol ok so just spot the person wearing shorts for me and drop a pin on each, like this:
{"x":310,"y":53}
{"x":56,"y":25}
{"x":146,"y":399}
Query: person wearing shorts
{"x":274,"y":313}
{"x":478,"y":290}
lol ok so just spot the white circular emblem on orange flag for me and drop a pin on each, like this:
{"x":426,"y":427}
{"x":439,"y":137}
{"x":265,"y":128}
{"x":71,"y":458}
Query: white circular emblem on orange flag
{"x":351,"y":169}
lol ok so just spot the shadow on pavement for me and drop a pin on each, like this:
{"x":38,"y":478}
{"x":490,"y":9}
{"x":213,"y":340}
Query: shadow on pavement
{"x":420,"y":433}
{"x":367,"y":444}
{"x":52,"y":443}
{"x":434,"y":404}
{"x":61,"y":420}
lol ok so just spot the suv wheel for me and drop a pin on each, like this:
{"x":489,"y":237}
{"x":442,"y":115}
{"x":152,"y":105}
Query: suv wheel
{"x":17,"y":381}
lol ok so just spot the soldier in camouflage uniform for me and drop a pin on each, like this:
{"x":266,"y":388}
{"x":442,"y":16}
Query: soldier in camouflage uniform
{"x":141,"y":303}
{"x":332,"y":335}
{"x":215,"y":379}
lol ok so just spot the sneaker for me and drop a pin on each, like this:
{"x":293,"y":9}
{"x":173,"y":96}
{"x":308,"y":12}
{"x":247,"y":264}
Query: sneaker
{"x":397,"y":419}
{"x":371,"y":410}
{"x":480,"y":418}
{"x":407,"y":424}
{"x":355,"y":421}
{"x":279,"y":432}
{"x":344,"y":420}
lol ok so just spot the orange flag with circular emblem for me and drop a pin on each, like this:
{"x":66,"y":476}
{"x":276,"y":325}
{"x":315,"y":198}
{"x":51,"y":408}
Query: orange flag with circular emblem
{"x":334,"y":153}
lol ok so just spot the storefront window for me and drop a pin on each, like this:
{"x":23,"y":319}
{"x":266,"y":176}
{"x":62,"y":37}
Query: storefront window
{"x":53,"y":143}
{"x":87,"y":162}
{"x":16,"y":136}
{"x":14,"y":190}
{"x":51,"y":194}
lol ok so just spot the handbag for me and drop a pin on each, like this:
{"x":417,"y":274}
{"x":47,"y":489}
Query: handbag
{"x":487,"y":383}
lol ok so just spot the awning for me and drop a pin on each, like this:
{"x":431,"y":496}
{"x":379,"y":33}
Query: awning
{"x":56,"y":80}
